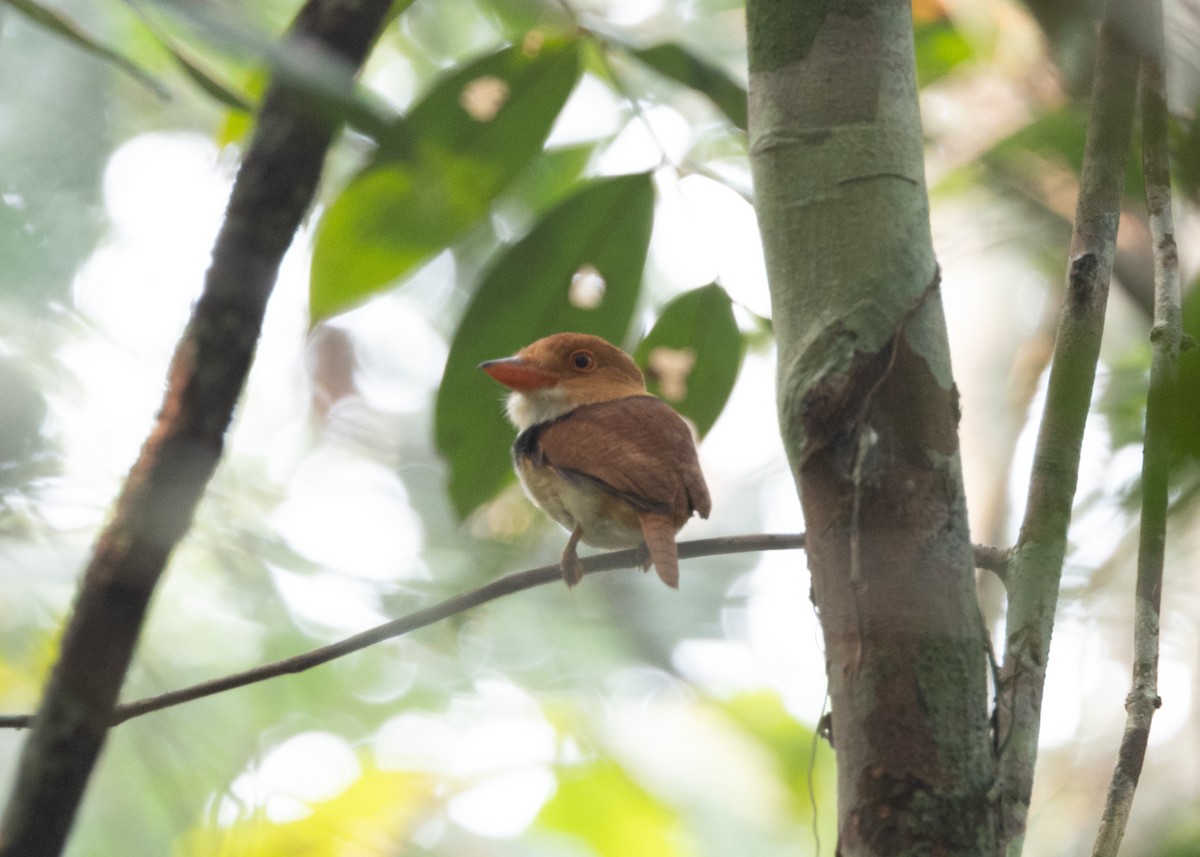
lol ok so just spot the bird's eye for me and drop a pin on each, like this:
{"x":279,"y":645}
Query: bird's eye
{"x":583,"y":361}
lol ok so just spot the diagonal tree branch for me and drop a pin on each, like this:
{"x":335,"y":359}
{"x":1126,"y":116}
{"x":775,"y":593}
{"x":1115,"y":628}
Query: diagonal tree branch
{"x":1166,"y":337}
{"x":1036,"y":566}
{"x":986,"y":557}
{"x":516,"y":581}
{"x":274,"y":188}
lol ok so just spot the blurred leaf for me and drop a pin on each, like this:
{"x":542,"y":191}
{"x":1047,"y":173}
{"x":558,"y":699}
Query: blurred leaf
{"x":206,"y":82}
{"x":692,"y":355}
{"x":599,"y":804}
{"x":1185,"y":437}
{"x":1123,"y":400}
{"x":678,"y":63}
{"x":526,"y":295}
{"x":546,"y":181}
{"x":1057,"y":137}
{"x":59,"y":24}
{"x":237,"y":124}
{"x":940,"y":47}
{"x":191,"y":66}
{"x":1185,"y":153}
{"x":1179,"y":837}
{"x":365,"y":820}
{"x":327,"y":82}
{"x":438,"y":170}
{"x":23,"y":410}
{"x":762,"y":715}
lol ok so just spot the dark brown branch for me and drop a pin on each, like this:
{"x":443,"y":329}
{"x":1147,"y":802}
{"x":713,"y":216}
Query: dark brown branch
{"x":506,"y":585}
{"x":274,"y":189}
{"x":1166,"y":338}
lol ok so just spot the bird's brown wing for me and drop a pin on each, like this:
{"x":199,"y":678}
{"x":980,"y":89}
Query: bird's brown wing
{"x":637,"y":447}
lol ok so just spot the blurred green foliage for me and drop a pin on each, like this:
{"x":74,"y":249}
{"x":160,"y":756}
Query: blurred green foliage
{"x":438,"y":170}
{"x":454,"y":171}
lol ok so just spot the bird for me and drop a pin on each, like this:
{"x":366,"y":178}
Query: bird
{"x":614,"y":465}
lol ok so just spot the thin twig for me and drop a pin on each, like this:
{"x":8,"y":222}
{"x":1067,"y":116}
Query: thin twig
{"x":1166,"y":338}
{"x":506,"y":585}
{"x":1036,"y":566}
{"x":994,"y":559}
{"x":516,"y":581}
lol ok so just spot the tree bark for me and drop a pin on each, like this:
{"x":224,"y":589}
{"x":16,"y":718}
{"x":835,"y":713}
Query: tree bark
{"x":868,"y":412}
{"x":274,"y":189}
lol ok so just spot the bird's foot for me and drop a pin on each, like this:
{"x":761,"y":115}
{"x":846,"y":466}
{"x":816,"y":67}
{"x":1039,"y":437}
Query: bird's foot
{"x":572,"y":568}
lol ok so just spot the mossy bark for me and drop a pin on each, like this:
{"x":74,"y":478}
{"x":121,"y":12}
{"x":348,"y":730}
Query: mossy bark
{"x":868,"y":411}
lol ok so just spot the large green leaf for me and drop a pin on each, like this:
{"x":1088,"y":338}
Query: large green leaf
{"x":438,"y":171}
{"x":679,"y":64}
{"x":692,"y":354}
{"x":525,"y":296}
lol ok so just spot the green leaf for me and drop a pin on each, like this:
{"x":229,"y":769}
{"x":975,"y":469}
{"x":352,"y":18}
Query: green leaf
{"x":940,"y":47}
{"x":59,"y":24}
{"x":601,"y":805}
{"x":525,"y":296}
{"x":206,"y":82}
{"x":326,"y":81}
{"x":678,"y":63}
{"x":692,"y":355}
{"x":438,"y":171}
{"x":192,"y":67}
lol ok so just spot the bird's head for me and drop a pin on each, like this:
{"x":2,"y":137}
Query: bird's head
{"x":558,"y":373}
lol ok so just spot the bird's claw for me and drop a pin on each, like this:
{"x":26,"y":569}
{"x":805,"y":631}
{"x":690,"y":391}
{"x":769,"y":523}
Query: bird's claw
{"x":572,"y":568}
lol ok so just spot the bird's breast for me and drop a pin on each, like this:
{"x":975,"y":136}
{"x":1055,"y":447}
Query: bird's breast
{"x":607,"y":520}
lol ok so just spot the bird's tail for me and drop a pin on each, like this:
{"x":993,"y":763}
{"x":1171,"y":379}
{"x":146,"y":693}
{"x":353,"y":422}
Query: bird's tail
{"x":659,"y":533}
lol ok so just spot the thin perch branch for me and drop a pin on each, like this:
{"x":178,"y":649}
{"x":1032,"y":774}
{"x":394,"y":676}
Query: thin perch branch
{"x":274,"y":188}
{"x":501,"y":586}
{"x":1036,"y":566}
{"x":1166,"y":337}
{"x":985,"y":557}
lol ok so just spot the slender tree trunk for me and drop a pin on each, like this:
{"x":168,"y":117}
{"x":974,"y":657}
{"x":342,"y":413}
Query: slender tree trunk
{"x":274,"y":189}
{"x":868,"y":411}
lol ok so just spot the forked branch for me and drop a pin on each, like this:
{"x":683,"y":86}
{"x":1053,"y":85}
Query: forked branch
{"x":1036,"y":567}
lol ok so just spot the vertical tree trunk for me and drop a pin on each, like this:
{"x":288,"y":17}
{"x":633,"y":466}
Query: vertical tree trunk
{"x":868,"y":411}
